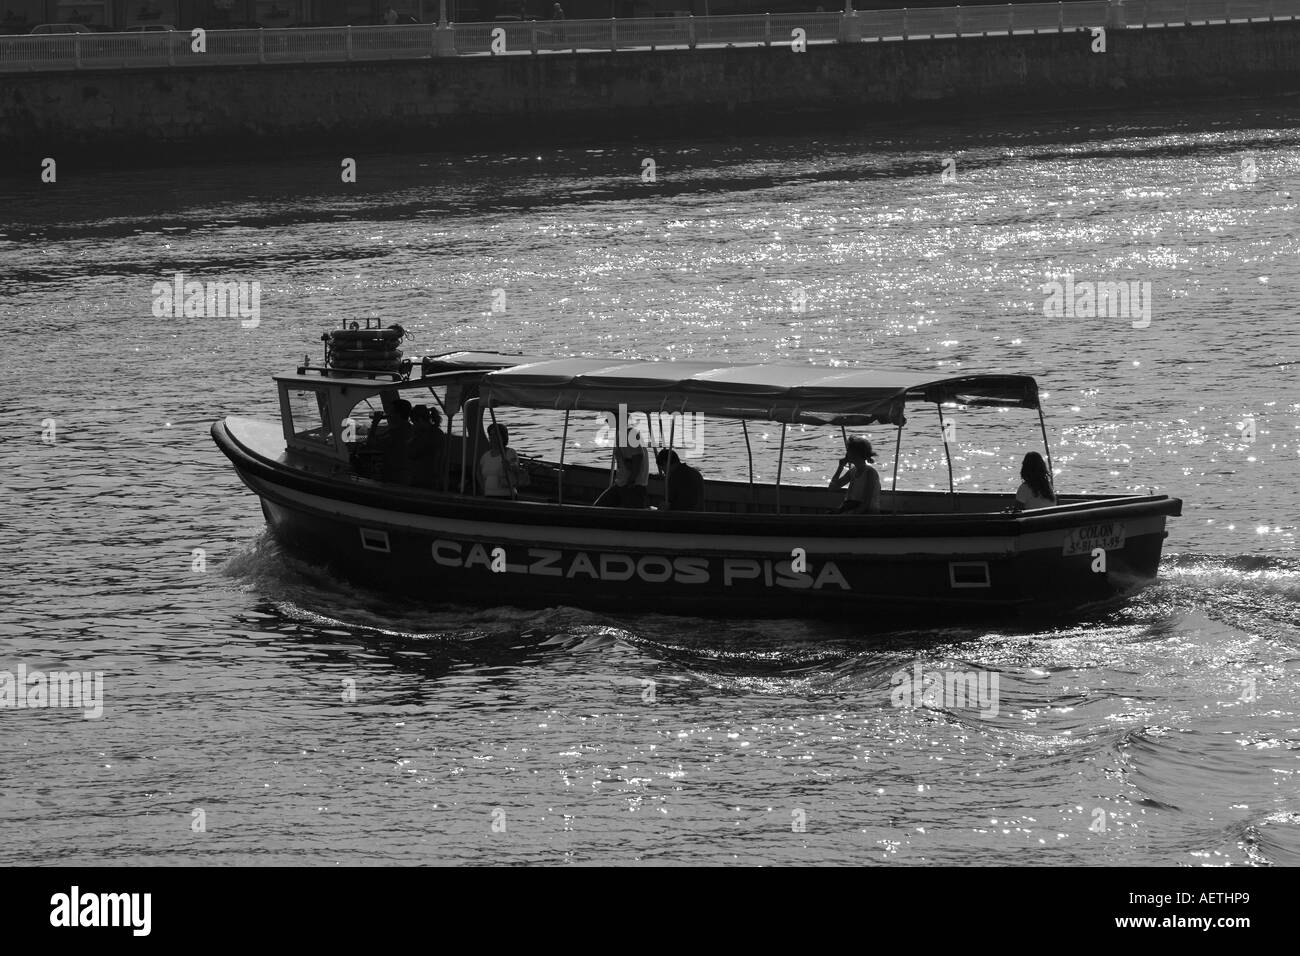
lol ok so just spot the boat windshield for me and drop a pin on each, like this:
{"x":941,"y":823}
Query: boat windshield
{"x":308,"y":416}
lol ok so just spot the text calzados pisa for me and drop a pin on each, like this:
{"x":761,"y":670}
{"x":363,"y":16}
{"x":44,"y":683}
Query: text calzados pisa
{"x":654,"y":569}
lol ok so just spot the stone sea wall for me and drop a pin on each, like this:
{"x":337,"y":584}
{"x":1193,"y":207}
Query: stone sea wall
{"x":515,"y":99}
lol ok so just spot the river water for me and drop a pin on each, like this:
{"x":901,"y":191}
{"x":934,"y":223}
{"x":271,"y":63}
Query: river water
{"x":259,"y":710}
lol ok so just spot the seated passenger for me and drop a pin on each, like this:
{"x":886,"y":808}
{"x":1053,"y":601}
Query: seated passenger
{"x":631,"y":475}
{"x":428,"y":449}
{"x":378,"y":429}
{"x":394,"y":444}
{"x":1035,"y":489}
{"x":685,"y":484}
{"x":499,"y":471}
{"x":861,"y":483}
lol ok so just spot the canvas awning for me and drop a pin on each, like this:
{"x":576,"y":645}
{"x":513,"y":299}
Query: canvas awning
{"x":468,"y":361}
{"x":807,"y":394}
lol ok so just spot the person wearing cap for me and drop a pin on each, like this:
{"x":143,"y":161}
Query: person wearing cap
{"x":684,"y":484}
{"x":860,"y":481}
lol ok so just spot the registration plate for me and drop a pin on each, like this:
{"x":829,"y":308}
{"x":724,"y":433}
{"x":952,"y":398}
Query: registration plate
{"x":1108,"y":535}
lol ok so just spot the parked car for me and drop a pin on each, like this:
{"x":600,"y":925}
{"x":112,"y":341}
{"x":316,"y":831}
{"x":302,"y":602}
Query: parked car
{"x":53,"y":29}
{"x":157,"y":38}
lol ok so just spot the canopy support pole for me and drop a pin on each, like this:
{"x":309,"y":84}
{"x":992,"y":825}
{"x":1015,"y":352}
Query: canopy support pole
{"x":844,"y":437}
{"x":648,"y":447}
{"x":780,"y":467}
{"x":564,"y":442}
{"x":893,"y":485}
{"x":749,"y":452}
{"x":948,"y":455}
{"x":672,"y":436}
{"x":1042,"y":424}
{"x":444,"y":467}
{"x":464,"y":441}
{"x":620,"y":436}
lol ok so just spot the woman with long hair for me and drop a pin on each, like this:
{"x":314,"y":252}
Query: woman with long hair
{"x":1035,"y":489}
{"x":858,"y":478}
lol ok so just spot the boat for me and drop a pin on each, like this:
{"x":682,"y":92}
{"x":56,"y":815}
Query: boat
{"x":754,"y":549}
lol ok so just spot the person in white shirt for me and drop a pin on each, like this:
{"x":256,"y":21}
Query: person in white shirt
{"x":498,"y":468}
{"x":1035,"y":489}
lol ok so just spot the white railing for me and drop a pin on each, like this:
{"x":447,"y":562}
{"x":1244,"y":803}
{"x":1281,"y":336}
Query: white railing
{"x":330,"y":44}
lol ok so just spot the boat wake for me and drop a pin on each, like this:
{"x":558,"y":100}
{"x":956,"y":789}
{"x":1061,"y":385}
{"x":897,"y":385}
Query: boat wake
{"x":320,"y":603}
{"x":1256,"y":594}
{"x":1273,"y":839}
{"x":1148,"y":698}
{"x":323,"y":603}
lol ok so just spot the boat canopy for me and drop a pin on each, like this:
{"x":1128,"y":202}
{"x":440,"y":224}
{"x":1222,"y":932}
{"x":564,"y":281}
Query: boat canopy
{"x":795,"y":394}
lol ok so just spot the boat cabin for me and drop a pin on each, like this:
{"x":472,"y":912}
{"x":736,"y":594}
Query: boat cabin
{"x":326,"y":412}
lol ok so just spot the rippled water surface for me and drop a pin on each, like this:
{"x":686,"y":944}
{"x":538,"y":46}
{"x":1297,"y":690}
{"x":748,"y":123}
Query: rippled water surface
{"x":1166,"y":732}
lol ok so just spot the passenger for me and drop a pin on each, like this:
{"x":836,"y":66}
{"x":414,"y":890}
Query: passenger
{"x":631,"y":475}
{"x":378,"y":428}
{"x":395,"y":444}
{"x":1035,"y":489}
{"x":862,"y":495}
{"x":685,"y":484}
{"x":428,"y":449}
{"x":499,"y":471}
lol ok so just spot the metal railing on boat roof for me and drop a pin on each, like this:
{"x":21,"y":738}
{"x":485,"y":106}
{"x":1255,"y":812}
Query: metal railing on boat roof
{"x":412,"y":371}
{"x":108,"y":51}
